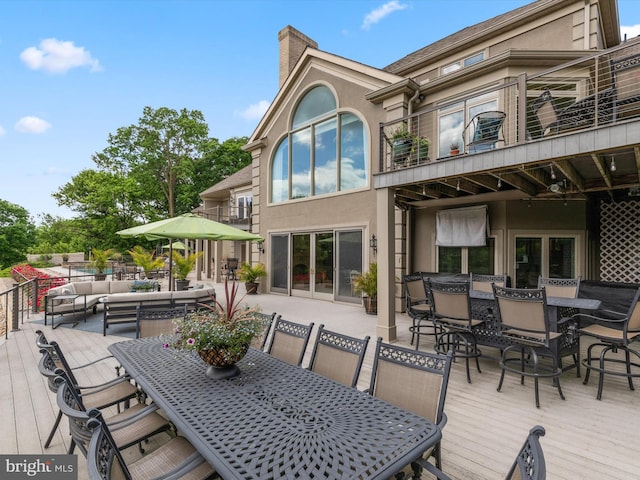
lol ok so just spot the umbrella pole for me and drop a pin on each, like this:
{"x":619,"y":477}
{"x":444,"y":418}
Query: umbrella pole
{"x":171,"y":264}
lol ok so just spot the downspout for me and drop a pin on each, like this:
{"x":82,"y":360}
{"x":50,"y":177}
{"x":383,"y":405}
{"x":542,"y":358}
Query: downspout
{"x":409,"y":225}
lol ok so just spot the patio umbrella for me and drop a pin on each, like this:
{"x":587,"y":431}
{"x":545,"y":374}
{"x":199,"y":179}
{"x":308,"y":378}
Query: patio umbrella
{"x":190,"y":226}
{"x":174,"y":245}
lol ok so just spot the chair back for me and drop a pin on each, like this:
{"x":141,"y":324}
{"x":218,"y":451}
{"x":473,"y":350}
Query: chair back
{"x":338,"y":357}
{"x":545,"y":111}
{"x":485,"y":129}
{"x":289,"y":340}
{"x":70,"y":404}
{"x":529,"y":464}
{"x":482,"y":283}
{"x":523,"y":312}
{"x":412,"y":379}
{"x":560,"y":287}
{"x":450,"y":300}
{"x":625,"y":74}
{"x":104,"y":460}
{"x":414,"y":289}
{"x":153,"y":322}
{"x":51,"y":360}
{"x":632,"y":325}
{"x":260,"y":340}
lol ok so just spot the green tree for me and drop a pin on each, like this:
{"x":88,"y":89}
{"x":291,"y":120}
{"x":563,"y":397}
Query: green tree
{"x":59,"y":235}
{"x":17,"y":233}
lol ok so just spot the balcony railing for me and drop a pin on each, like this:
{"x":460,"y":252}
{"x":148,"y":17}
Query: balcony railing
{"x":586,"y":93}
{"x":221,"y":214}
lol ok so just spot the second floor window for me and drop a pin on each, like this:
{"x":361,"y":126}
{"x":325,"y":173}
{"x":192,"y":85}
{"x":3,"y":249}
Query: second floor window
{"x":325,"y":151}
{"x":244,"y":207}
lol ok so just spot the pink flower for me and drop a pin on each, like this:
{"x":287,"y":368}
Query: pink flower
{"x":191,"y":341}
{"x":165,"y":345}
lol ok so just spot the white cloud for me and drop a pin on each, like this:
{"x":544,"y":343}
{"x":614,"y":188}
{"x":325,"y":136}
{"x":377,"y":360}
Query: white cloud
{"x":630,"y":31}
{"x":2,"y":131}
{"x":379,"y":13}
{"x":32,"y":125}
{"x":255,"y":111}
{"x":57,"y":56}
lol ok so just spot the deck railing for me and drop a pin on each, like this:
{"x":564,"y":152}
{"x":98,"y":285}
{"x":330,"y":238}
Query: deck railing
{"x":587,"y":93}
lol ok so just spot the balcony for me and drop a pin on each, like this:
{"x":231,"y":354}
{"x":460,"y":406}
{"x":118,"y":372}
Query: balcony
{"x":567,"y":132}
{"x":221,"y":214}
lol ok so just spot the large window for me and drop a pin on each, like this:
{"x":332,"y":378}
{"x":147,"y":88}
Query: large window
{"x":325,"y":151}
{"x":480,"y":260}
{"x":549,"y":255}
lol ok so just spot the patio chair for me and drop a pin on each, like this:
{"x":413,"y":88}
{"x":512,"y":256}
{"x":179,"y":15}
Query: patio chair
{"x":289,"y":340}
{"x":560,"y":287}
{"x":483,"y":131}
{"x":175,"y":459}
{"x":232,"y":266}
{"x":416,"y":381}
{"x":482,"y":283}
{"x":259,"y":341}
{"x":418,"y":307}
{"x":133,"y":426}
{"x":153,"y":322}
{"x":625,"y":74}
{"x":613,"y":335}
{"x":114,"y":392}
{"x":452,"y":312}
{"x":524,"y":321}
{"x":528,"y":465}
{"x":338,"y":357}
{"x":544,"y":109}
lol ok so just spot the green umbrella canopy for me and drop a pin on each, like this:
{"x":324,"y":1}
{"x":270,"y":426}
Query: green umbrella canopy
{"x":188,"y":225}
{"x":174,"y":245}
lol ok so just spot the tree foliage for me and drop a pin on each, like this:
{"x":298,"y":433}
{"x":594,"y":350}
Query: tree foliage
{"x":17,"y":233}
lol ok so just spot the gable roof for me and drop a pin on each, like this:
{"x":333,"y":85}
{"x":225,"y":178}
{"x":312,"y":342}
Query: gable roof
{"x":241,"y":178}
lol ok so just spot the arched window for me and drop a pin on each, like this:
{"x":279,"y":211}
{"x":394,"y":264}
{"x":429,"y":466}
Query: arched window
{"x":324,"y":152}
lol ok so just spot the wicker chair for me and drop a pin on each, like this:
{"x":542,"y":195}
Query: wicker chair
{"x":175,"y":459}
{"x":452,"y":311}
{"x":289,"y":340}
{"x":134,"y":425}
{"x":118,"y":391}
{"x":416,"y":381}
{"x":418,"y":307}
{"x":259,"y":341}
{"x":338,"y":357}
{"x":524,"y":320}
{"x":153,"y":322}
{"x":613,"y":334}
{"x":482,"y":283}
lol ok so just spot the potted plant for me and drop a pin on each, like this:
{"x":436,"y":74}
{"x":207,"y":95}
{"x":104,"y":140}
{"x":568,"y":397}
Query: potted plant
{"x":146,"y":260}
{"x":367,"y":284}
{"x":454,"y":148}
{"x":250,"y":274}
{"x":220,"y":334}
{"x":421,"y":148}
{"x":401,"y":143}
{"x":183,"y":266}
{"x":99,"y":260}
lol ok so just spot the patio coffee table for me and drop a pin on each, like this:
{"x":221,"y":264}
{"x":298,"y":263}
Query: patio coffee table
{"x":276,"y":420}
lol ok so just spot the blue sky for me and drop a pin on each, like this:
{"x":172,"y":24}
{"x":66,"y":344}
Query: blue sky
{"x":72,"y":72}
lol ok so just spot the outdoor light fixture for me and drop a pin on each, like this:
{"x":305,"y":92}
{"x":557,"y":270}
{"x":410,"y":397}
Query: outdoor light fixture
{"x":458,"y":185}
{"x":553,"y":174}
{"x":261,"y":247}
{"x":613,"y":164}
{"x":499,"y":181}
{"x":373,"y":243}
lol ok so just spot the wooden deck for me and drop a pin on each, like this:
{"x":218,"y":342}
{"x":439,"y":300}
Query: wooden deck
{"x":586,"y":438}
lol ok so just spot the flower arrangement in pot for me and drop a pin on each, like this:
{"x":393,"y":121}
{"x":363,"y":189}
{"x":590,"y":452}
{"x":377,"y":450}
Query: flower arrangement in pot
{"x":220,"y":334}
{"x":99,"y":260}
{"x":146,"y":260}
{"x":250,"y":274}
{"x":367,"y":284}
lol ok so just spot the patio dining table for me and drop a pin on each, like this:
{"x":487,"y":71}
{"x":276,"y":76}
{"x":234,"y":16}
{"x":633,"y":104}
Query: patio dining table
{"x":276,"y":420}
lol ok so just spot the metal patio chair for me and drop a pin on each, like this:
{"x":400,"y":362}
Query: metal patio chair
{"x":153,"y":322}
{"x":175,"y":459}
{"x":484,"y":131}
{"x":482,"y":283}
{"x":613,"y":335}
{"x":418,"y":307}
{"x":259,"y":341}
{"x":529,"y":463}
{"x":132,"y":426}
{"x":289,"y":340}
{"x":416,"y":381}
{"x":524,"y":319}
{"x":338,"y":357}
{"x":452,"y":312}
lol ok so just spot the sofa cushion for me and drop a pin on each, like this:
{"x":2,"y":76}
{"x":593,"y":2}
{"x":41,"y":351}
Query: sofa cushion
{"x":120,"y":287}
{"x":84,"y":288}
{"x":100,"y":287}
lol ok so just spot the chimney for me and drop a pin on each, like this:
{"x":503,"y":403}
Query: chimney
{"x":292,"y":45}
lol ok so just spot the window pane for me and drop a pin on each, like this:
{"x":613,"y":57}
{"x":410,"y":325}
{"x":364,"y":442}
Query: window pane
{"x":562,"y":257}
{"x":301,"y":164}
{"x":301,"y":262}
{"x":528,"y":262}
{"x":473,"y":59}
{"x":449,"y":259}
{"x":450,"y":131}
{"x":324,"y":263}
{"x":349,"y":263}
{"x":279,"y":262}
{"x":451,"y":68}
{"x":353,"y":161}
{"x":319,"y":101}
{"x":325,"y":176}
{"x":280,"y":173}
{"x":481,"y":259}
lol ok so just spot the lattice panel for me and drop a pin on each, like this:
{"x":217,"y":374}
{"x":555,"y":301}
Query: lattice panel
{"x":620,"y":241}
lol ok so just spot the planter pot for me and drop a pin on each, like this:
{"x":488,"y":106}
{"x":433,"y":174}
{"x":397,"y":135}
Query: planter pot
{"x":99,"y":276}
{"x":182,"y":285}
{"x":370,"y":305}
{"x":400,"y":149}
{"x":222,"y":362}
{"x":252,"y":287}
{"x":454,"y":152}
